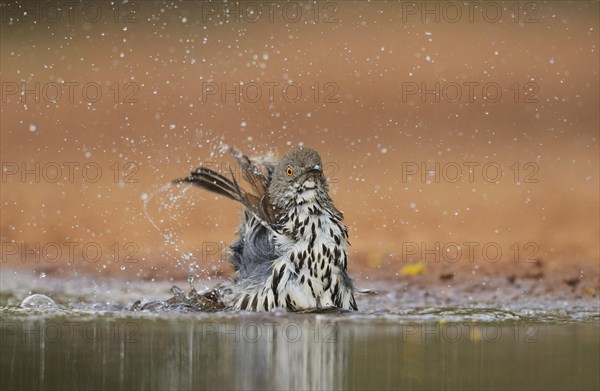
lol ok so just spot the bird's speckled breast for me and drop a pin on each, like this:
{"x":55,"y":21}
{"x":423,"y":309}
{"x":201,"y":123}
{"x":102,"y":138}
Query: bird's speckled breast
{"x":314,"y":244}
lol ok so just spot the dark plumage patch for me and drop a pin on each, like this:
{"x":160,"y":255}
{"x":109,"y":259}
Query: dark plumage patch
{"x":311,"y":288}
{"x":254,"y":302}
{"x":244,"y":302}
{"x":253,"y":252}
{"x":336,"y":289}
{"x":337,"y":300}
{"x":345,"y":232}
{"x":327,"y":274}
{"x":276,"y":278}
{"x":337,"y":254}
{"x":288,"y":303}
{"x":275,"y":284}
{"x":328,"y":278}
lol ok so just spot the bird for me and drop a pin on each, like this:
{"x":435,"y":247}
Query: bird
{"x":291,"y":250}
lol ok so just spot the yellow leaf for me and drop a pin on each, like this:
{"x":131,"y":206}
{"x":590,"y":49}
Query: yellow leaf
{"x":413,"y":270}
{"x":589,"y":289}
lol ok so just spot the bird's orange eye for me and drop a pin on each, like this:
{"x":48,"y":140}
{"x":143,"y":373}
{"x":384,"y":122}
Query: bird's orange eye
{"x":289,"y":171}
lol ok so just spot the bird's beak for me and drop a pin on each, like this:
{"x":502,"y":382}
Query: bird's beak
{"x":315,"y":171}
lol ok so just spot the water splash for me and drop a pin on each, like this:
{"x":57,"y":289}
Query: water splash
{"x":169,"y":227}
{"x":146,"y":198}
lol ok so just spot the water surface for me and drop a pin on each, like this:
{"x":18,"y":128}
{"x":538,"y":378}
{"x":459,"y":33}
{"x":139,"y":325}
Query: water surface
{"x":89,"y":342}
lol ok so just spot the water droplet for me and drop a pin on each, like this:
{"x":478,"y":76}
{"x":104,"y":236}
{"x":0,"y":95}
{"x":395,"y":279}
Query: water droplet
{"x":38,"y":301}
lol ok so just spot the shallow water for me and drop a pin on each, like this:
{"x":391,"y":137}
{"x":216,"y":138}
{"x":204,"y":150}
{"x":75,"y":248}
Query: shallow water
{"x":91,"y":341}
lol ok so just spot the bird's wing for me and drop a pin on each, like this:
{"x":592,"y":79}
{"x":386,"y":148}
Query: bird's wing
{"x":257,"y":174}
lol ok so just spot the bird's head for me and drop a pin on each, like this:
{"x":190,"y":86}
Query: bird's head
{"x":298,"y":171}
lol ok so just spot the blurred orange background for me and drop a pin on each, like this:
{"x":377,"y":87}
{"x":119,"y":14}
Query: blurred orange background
{"x":156,"y":66}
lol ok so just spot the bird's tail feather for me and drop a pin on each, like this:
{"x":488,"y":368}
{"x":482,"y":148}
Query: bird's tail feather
{"x":212,"y":181}
{"x":217,"y":183}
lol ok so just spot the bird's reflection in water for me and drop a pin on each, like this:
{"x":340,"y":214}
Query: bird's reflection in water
{"x":249,"y":353}
{"x":294,"y":354}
